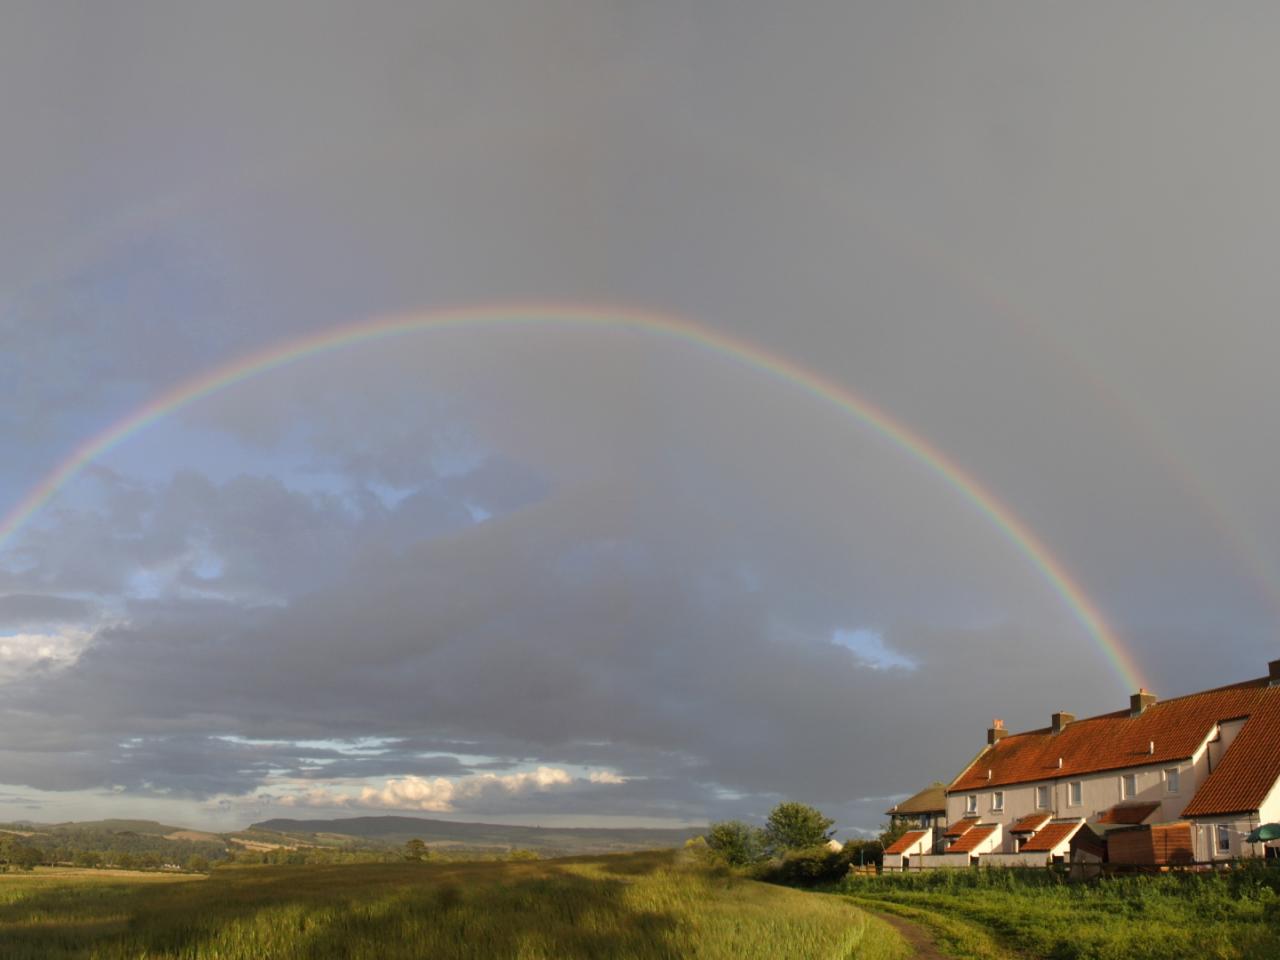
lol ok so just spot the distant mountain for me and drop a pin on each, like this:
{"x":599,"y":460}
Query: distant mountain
{"x":395,"y":831}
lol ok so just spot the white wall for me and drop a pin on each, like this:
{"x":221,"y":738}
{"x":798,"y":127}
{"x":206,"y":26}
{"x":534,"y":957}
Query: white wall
{"x":936,"y":860}
{"x":1100,"y":792}
{"x":1202,"y":834}
{"x":1016,"y":860}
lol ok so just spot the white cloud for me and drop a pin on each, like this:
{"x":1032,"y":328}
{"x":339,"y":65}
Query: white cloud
{"x":439,"y":794}
{"x":22,"y":653}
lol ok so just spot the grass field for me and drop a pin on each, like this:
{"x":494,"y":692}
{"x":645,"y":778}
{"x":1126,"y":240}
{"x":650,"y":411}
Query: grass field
{"x":651,"y":905}
{"x":988,"y":914}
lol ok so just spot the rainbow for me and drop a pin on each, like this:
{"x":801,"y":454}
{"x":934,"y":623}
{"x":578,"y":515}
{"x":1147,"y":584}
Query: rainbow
{"x":669,"y":327}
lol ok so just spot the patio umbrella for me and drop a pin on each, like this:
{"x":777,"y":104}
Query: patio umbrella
{"x":1268,"y":831}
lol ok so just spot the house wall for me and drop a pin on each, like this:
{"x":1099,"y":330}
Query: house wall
{"x":1016,"y":860}
{"x":940,"y":860}
{"x":1239,"y":827}
{"x":1100,"y":791}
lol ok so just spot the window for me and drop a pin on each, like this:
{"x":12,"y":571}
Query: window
{"x":1075,"y":793}
{"x":997,"y":800}
{"x":1128,"y":786}
{"x":971,"y":803}
{"x":1222,"y":838}
{"x":1042,"y":798}
{"x":1172,"y":780}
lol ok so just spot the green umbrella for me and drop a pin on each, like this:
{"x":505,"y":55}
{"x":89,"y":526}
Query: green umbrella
{"x":1268,"y":831}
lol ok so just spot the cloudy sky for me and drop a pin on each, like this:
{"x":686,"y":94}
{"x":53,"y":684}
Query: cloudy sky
{"x":562,"y":573}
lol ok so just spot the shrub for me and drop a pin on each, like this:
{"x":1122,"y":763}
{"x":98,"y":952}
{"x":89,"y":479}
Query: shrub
{"x":736,"y":843}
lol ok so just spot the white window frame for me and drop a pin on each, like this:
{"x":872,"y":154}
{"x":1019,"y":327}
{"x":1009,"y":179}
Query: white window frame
{"x":1047,"y":794}
{"x":1172,"y":780}
{"x":971,"y":803}
{"x":1125,"y":780}
{"x":1075,"y":793}
{"x":1219,"y":829}
{"x":997,"y":800}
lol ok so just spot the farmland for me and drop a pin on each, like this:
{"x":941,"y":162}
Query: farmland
{"x":647,"y":905}
{"x":989,"y":914}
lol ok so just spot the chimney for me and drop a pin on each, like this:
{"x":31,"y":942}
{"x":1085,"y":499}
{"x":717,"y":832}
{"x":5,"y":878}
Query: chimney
{"x":1139,"y":702}
{"x":1061,"y":719}
{"x":1274,"y":669}
{"x":995,"y":731}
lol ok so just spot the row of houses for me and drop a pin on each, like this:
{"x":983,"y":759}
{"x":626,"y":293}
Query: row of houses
{"x":1177,"y":781}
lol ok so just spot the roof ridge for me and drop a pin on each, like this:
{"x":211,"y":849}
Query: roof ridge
{"x":1260,"y":682}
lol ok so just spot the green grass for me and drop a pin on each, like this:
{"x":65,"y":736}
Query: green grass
{"x":987,"y":914}
{"x":651,"y":905}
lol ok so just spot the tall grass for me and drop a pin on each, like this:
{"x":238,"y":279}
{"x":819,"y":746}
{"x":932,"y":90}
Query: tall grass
{"x":637,"y":906}
{"x":989,"y":913}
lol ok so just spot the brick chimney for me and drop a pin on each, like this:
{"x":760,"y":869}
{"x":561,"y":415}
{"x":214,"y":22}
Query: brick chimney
{"x":1139,"y":702}
{"x":995,"y":731}
{"x":1274,"y":668}
{"x":1061,"y":719}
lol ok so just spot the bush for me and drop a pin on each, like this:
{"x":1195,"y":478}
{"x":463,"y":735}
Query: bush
{"x":736,"y":843}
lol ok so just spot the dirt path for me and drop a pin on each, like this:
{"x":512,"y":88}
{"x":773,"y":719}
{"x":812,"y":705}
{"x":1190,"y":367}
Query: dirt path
{"x":916,"y":936}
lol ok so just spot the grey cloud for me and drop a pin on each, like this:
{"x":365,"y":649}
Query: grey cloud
{"x":18,"y":610}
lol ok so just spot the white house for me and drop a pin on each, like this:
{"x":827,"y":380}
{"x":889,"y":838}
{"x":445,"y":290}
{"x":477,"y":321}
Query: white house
{"x":1165,"y":781}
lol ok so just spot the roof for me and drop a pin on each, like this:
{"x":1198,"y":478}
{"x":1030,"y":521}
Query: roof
{"x":1248,"y":770}
{"x":960,"y":826}
{"x":1174,"y":728}
{"x":931,"y":799}
{"x":1031,"y":823}
{"x":1052,"y":836}
{"x":1128,"y":813}
{"x":972,"y":838}
{"x":907,"y":841}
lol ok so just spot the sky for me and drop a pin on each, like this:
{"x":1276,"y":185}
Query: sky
{"x":589,"y":572}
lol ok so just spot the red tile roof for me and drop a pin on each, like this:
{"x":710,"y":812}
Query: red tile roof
{"x":1051,"y":836}
{"x":972,"y":838}
{"x":1249,"y":768}
{"x":960,"y":826}
{"x":1031,"y":823}
{"x":906,"y":841}
{"x":1129,"y":813}
{"x":1176,"y":727}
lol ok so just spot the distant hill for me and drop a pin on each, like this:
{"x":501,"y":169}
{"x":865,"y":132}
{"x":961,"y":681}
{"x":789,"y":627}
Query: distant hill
{"x":148,"y":828}
{"x":395,"y":831}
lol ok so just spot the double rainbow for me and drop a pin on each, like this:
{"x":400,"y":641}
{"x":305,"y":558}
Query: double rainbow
{"x":668,"y":327}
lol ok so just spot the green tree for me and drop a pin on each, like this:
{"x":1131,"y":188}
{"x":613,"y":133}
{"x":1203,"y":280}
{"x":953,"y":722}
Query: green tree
{"x":25,"y":857}
{"x":415,"y":849}
{"x":735,"y":842}
{"x":197,"y":863}
{"x":794,"y":826}
{"x":88,"y":858}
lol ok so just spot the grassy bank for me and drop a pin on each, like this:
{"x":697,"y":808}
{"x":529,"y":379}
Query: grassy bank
{"x":988,"y":914}
{"x":638,"y":906}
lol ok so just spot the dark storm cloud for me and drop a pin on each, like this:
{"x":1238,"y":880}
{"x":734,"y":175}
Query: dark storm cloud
{"x":18,"y":610}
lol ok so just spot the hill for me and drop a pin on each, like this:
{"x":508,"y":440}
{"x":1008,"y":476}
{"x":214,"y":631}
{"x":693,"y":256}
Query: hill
{"x":395,"y":831}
